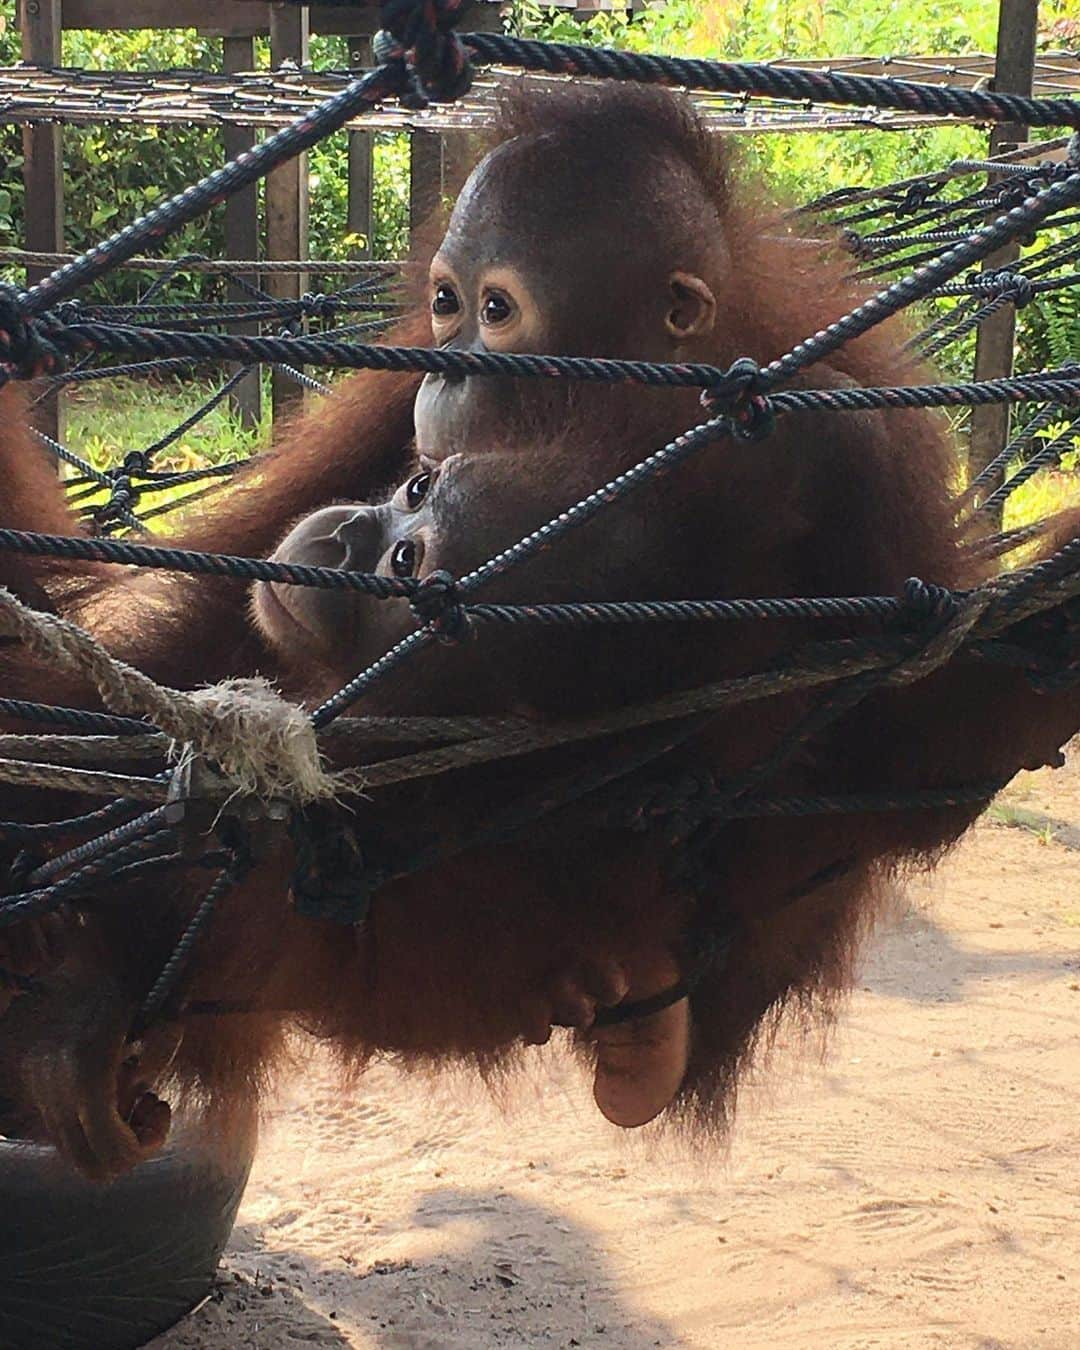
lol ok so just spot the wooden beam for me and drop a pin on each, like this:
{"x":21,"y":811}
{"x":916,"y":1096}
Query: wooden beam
{"x":361,"y":222}
{"x":43,"y":170}
{"x":227,"y":18}
{"x":224,"y":18}
{"x":995,"y":341}
{"x":287,"y":197}
{"x":345,"y":20}
{"x":425,"y":176}
{"x":242,"y":230}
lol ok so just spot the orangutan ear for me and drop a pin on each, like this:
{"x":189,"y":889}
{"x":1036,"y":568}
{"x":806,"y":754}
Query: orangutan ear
{"x":691,"y":308}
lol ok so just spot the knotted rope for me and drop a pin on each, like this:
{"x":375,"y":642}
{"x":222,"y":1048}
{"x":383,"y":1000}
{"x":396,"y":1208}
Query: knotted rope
{"x":420,"y":36}
{"x":25,"y":350}
{"x":262,"y":744}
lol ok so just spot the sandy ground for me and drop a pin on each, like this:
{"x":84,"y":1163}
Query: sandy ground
{"x":918,"y":1187}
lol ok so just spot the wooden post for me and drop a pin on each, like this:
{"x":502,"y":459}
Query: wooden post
{"x":996,"y":337}
{"x":287,"y":194}
{"x":425,"y":176}
{"x":43,"y":170}
{"x":242,"y":230}
{"x":438,"y":162}
{"x":361,"y":162}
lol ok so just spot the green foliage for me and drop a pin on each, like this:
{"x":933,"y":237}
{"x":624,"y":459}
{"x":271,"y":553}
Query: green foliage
{"x":329,"y":168}
{"x":106,"y":420}
{"x":115,"y":172}
{"x":1049,"y":330}
{"x":801,"y":165}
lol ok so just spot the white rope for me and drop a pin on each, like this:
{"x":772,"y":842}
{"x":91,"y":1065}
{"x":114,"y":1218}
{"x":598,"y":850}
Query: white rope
{"x":262,"y":744}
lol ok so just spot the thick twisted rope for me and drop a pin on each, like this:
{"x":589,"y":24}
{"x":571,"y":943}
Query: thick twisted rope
{"x":262,"y":744}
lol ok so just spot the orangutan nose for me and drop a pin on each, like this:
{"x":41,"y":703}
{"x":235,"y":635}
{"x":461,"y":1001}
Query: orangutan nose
{"x":362,"y":536}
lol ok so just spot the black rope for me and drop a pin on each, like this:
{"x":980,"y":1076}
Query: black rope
{"x":248,"y":168}
{"x":326,"y":350}
{"x":781,"y":82}
{"x":167,"y":983}
{"x":32,"y":904}
{"x":425,"y":60}
{"x":92,"y":723}
{"x":1048,"y":452}
{"x":1019,"y":443}
{"x":961,"y":325}
{"x":104,"y":815}
{"x":585,"y":613}
{"x":700,"y":802}
{"x":923,"y":281}
{"x":104,"y":843}
{"x":202,"y":564}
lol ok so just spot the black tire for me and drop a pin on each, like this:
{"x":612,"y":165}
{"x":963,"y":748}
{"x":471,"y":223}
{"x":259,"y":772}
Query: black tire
{"x":92,"y":1267}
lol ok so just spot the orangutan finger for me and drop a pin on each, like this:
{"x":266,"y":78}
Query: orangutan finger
{"x":571,"y":1005}
{"x":605,"y":981}
{"x":111,"y":1140}
{"x":61,"y":1122}
{"x":145,"y":1113}
{"x":149,"y":1121}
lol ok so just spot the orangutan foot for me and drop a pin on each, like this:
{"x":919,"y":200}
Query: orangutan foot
{"x":67,"y":1066}
{"x":640,"y":1062}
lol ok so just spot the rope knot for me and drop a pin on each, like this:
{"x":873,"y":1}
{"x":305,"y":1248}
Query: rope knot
{"x":437,"y":602}
{"x":851,"y":241}
{"x":929,"y":602}
{"x":1012,"y":193}
{"x":1001,"y":284}
{"x":914,"y":199}
{"x":25,"y":350}
{"x":739,"y":396}
{"x":320,"y":305}
{"x":419,"y":34}
{"x":123,"y":496}
{"x":136,"y":462}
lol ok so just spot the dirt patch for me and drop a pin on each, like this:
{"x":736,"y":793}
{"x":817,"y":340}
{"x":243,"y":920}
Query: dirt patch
{"x":917,"y":1187}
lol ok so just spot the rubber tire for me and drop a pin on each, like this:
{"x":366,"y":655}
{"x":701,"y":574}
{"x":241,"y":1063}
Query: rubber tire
{"x":107,"y":1267}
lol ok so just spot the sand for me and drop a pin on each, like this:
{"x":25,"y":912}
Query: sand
{"x":917,"y":1186}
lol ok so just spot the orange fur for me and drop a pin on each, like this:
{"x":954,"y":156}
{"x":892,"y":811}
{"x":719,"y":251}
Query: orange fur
{"x":828,"y":504}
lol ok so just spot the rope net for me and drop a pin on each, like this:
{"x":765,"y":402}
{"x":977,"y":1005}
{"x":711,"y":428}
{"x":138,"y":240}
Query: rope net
{"x":915,"y":242}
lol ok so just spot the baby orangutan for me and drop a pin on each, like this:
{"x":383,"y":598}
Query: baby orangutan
{"x":563,"y":920}
{"x":602,"y":892}
{"x":641,"y":1057}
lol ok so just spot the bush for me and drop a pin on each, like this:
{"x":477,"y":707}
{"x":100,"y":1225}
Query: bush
{"x":115,"y":172}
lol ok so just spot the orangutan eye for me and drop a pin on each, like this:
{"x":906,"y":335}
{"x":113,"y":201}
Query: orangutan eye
{"x":495,"y":309}
{"x":403,"y":558}
{"x":445,"y":300}
{"x":416,"y":489}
